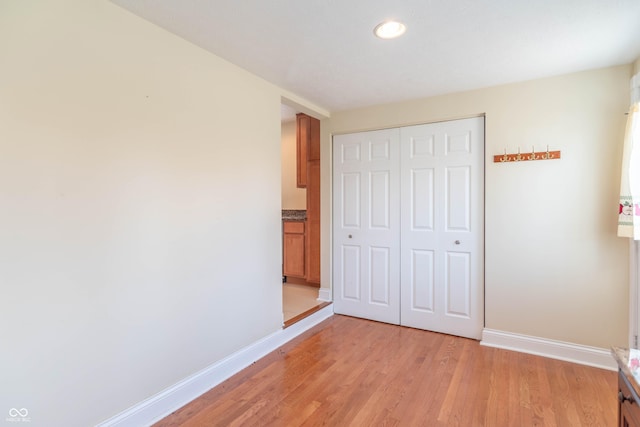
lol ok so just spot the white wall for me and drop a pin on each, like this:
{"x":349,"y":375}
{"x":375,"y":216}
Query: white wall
{"x":554,"y":266}
{"x":139,"y":210}
{"x":292,"y":196}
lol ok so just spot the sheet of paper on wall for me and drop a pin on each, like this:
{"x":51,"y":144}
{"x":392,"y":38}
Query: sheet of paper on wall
{"x":634,"y":362}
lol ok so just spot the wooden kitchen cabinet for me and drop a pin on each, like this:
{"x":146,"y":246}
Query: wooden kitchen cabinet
{"x":293,"y":244}
{"x":308,"y":176}
{"x":307,"y":146}
{"x":302,"y":142}
{"x":313,"y":223}
{"x":628,"y":410}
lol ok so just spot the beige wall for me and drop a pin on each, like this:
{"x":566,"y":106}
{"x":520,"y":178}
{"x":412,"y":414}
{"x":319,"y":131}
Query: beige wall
{"x":554,"y":266}
{"x":140,"y":221}
{"x":292,"y":196}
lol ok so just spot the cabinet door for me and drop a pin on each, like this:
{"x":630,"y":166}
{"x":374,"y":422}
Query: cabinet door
{"x":628,"y":410}
{"x":294,"y":249}
{"x":302,"y":137}
{"x":312,"y":227}
{"x":627,"y":417}
{"x":312,"y":231}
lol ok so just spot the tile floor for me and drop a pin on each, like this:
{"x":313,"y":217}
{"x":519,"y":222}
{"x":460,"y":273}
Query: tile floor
{"x":297,"y":299}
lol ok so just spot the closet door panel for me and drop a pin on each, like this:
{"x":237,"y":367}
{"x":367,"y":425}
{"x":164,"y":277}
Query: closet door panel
{"x":458,"y":199}
{"x":350,"y":218}
{"x":380,"y":279}
{"x":366,"y":216}
{"x":422,"y":281}
{"x":379,"y":208}
{"x":422,"y":199}
{"x":458,"y":284}
{"x":442,"y":184}
{"x":350,"y":258}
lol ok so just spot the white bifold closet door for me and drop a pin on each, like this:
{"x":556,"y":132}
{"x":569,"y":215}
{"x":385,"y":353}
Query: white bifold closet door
{"x":408,"y":226}
{"x":366,"y":218}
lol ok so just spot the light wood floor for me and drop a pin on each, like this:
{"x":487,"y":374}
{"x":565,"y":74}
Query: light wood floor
{"x":297,"y":299}
{"x":354,"y":372}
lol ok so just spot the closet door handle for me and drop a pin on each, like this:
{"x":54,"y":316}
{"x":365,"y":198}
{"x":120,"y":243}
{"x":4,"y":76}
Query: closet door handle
{"x":457,"y":242}
{"x":350,"y":236}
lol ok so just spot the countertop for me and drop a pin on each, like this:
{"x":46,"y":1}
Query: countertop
{"x":294,"y":215}
{"x":629,"y":364}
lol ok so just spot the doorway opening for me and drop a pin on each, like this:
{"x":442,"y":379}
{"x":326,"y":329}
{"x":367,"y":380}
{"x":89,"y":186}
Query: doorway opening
{"x":300,"y":151}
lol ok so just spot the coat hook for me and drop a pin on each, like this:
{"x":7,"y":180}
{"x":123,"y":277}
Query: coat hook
{"x":542,"y":155}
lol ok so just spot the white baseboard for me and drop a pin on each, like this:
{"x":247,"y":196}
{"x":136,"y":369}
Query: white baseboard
{"x":164,"y":403}
{"x":576,"y":353}
{"x":324,"y":294}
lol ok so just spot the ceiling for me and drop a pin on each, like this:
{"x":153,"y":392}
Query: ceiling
{"x":325,"y":51}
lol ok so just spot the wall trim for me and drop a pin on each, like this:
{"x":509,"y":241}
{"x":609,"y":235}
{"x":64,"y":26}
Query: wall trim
{"x":156,"y":407}
{"x":324,"y":294}
{"x":576,"y":353}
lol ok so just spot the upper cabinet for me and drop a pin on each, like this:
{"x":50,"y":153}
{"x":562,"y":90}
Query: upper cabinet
{"x":308,"y":146}
{"x":302,"y":135}
{"x":309,"y":169}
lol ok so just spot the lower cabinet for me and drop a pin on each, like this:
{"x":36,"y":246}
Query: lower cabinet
{"x":628,"y":410}
{"x":293,"y":249}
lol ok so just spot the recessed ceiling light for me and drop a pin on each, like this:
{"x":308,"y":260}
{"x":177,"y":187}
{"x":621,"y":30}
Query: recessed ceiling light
{"x":389,"y":29}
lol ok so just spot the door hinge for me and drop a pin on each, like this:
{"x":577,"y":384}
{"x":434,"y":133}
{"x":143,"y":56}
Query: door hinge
{"x":635,"y":341}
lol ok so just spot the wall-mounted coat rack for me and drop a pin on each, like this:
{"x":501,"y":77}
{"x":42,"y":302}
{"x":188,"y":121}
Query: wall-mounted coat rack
{"x":524,"y":157}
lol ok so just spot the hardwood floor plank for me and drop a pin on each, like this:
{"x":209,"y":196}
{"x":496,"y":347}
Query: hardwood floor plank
{"x":543,"y":403}
{"x":453,"y":392}
{"x":355,"y":372}
{"x":497,"y":404}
